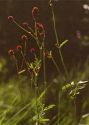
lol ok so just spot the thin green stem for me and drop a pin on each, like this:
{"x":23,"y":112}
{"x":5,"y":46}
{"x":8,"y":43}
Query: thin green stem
{"x":59,"y":103}
{"x":42,"y":51}
{"x":23,"y":54}
{"x":31,"y":29}
{"x":31,"y":80}
{"x":54,"y":62}
{"x":44,"y":68}
{"x":16,"y":63}
{"x":44,"y":64}
{"x":24,"y":59}
{"x":25,"y":44}
{"x":75,"y":112}
{"x":62,"y":60}
{"x":41,"y":54}
{"x":36,"y":98}
{"x":37,"y":40}
{"x":33,"y":36}
{"x":24,"y":29}
{"x":57,"y":41}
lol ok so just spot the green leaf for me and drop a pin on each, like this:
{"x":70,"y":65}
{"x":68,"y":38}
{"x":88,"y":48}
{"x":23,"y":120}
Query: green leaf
{"x":63,"y":43}
{"x":43,"y":120}
{"x":66,"y":86}
{"x":22,"y":71}
{"x":49,"y":107}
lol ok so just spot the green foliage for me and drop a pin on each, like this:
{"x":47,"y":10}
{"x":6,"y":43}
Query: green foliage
{"x":42,"y":113}
{"x":74,"y":88}
{"x":17,"y":104}
{"x":35,"y":66}
{"x":63,"y":43}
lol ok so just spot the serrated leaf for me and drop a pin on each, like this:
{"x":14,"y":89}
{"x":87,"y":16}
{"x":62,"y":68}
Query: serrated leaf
{"x":63,"y":43}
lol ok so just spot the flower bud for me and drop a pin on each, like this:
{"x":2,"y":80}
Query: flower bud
{"x":40,"y":26}
{"x":11,"y":52}
{"x":11,"y":18}
{"x":18,"y":47}
{"x":25,"y":24}
{"x":32,"y":50}
{"x":24,"y":37}
{"x":40,"y":29}
{"x":35,"y":12}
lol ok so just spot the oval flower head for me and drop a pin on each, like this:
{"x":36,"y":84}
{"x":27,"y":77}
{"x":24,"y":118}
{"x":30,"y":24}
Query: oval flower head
{"x":10,"y":18}
{"x":24,"y":37}
{"x":40,"y":29}
{"x":18,"y":47}
{"x":11,"y":52}
{"x":32,"y":50}
{"x":40,"y":26}
{"x":35,"y":12}
{"x":25,"y":24}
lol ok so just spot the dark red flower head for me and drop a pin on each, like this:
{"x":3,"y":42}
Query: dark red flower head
{"x":18,"y":47}
{"x":11,"y":52}
{"x":25,"y":24}
{"x":40,"y":26}
{"x":35,"y":12}
{"x":11,"y":18}
{"x":24,"y":37}
{"x":40,"y":29}
{"x":32,"y":50}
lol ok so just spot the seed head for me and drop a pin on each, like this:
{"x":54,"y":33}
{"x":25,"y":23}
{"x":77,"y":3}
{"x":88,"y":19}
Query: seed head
{"x":35,"y":12}
{"x":32,"y":50}
{"x":11,"y":52}
{"x":24,"y":37}
{"x":25,"y":24}
{"x":48,"y":54}
{"x":50,"y":3}
{"x":40,"y":26}
{"x":18,"y":47}
{"x":11,"y":18}
{"x":40,"y":29}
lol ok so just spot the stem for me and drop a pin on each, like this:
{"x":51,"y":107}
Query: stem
{"x":57,"y":41}
{"x":75,"y":110}
{"x":54,"y":62}
{"x":40,"y":48}
{"x":44,"y":65}
{"x":35,"y":37}
{"x":24,"y":29}
{"x":31,"y":29}
{"x":36,"y":96}
{"x":24,"y":59}
{"x":37,"y":40}
{"x":15,"y":60}
{"x":62,"y":60}
{"x":25,"y":48}
{"x":23,"y":54}
{"x":31,"y":80}
{"x":41,"y":53}
{"x":59,"y":106}
{"x":44,"y":68}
